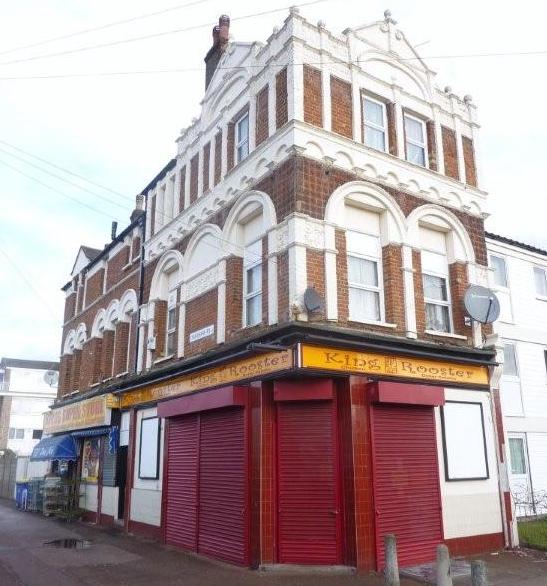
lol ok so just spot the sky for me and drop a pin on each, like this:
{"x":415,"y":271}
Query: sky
{"x":118,"y":131}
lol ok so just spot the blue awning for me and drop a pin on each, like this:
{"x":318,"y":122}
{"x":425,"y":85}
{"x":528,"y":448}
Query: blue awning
{"x":90,"y":432}
{"x":58,"y":447}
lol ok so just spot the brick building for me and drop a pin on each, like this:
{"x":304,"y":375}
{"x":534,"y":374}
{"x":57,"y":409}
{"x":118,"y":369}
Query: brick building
{"x":296,"y":314}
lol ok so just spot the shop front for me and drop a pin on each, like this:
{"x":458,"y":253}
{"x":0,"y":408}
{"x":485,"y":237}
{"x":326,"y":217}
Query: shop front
{"x":311,"y":454}
{"x":89,"y":427}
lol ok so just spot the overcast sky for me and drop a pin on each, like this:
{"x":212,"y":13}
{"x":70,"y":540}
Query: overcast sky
{"x":119,"y":131}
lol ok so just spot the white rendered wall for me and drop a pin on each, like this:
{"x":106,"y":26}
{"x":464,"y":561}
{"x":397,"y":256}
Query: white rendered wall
{"x":146,"y":494}
{"x":109,"y":501}
{"x":89,"y":497}
{"x":470,"y":507}
{"x":526,"y":328}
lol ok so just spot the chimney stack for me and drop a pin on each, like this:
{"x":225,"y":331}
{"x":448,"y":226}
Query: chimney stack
{"x":139,"y":207}
{"x":113,"y":230}
{"x":221,"y":37}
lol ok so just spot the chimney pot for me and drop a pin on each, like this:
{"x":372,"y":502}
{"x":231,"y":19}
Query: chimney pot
{"x":216,"y":36}
{"x":224,"y":28}
{"x":114,"y":230}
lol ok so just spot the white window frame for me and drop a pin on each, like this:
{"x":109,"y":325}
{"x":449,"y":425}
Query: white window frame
{"x":512,"y":377}
{"x":375,"y":126}
{"x":506,"y":274}
{"x":538,"y":294}
{"x":522,"y":438}
{"x":415,"y":143}
{"x":379,"y":289}
{"x":238,"y":141}
{"x":154,"y":423}
{"x":249,"y":266}
{"x":171,"y":308}
{"x":447,"y":303}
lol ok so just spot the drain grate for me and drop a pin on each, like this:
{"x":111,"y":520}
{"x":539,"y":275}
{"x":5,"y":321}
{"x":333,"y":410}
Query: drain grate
{"x":69,"y":543}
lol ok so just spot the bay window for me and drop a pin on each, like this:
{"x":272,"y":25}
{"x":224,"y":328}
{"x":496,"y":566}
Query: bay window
{"x":415,"y":140}
{"x":375,"y":124}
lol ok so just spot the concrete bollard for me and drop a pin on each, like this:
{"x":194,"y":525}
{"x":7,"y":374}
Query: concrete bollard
{"x":479,"y":573}
{"x":391,"y":571}
{"x":444,"y":575}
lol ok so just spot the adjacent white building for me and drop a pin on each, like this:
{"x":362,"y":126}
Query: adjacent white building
{"x":27,"y":389}
{"x":519,"y":277}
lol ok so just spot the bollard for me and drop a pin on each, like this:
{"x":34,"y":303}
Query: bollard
{"x":479,"y":574}
{"x":444,"y":575}
{"x":391,"y":571}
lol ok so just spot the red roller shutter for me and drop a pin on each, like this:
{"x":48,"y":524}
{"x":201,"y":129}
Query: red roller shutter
{"x":182,"y":475}
{"x":223,"y":514}
{"x":308,"y":497}
{"x":406,"y":482}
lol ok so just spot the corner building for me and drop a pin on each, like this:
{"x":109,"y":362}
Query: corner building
{"x":305,"y":379}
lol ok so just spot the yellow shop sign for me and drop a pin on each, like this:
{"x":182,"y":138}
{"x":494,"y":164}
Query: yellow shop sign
{"x":87,"y":413}
{"x":351,"y":361}
{"x":239,"y":370}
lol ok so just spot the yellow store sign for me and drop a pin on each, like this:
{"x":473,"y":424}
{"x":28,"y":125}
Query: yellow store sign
{"x":350,"y":361}
{"x":239,"y":370}
{"x":88,"y":413}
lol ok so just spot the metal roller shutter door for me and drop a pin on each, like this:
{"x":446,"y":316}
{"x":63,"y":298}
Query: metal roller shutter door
{"x":406,"y":482}
{"x":182,"y":476}
{"x":308,"y":499}
{"x":223,"y":495}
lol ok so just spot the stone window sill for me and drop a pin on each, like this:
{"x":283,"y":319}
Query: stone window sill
{"x":446,"y":335}
{"x":164,"y":358}
{"x":382,"y":324}
{"x":122,"y":373}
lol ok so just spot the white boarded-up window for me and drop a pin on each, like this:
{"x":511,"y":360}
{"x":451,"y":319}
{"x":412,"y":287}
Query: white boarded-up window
{"x":149,"y":452}
{"x":464,"y":441}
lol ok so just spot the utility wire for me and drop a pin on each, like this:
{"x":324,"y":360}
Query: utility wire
{"x":61,"y":178}
{"x":62,"y":193}
{"x":102,"y":27}
{"x":155,"y":35}
{"x":281,"y":65}
{"x":64,"y":169}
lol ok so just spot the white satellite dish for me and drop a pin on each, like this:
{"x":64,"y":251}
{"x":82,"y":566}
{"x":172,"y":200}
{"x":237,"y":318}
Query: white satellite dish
{"x":51,"y":377}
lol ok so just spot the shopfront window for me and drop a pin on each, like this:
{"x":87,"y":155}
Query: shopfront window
{"x":91,"y":449}
{"x":149,"y":452}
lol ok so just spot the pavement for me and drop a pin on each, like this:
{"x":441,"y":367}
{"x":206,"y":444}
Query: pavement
{"x":116,"y":559}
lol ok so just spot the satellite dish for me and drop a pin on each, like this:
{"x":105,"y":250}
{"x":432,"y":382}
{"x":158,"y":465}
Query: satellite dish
{"x":51,"y":377}
{"x":312,"y":300}
{"x":481,"y":304}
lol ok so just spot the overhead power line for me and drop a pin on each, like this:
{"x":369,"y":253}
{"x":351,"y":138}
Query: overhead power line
{"x":86,"y":179}
{"x":155,"y":35}
{"x":102,"y":27}
{"x":250,"y":66}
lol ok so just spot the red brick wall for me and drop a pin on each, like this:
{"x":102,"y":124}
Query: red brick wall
{"x":218,"y":158}
{"x":194,"y":168}
{"x":234,"y":295}
{"x":182,"y":189}
{"x":200,"y":313}
{"x":315,"y":268}
{"x":76,"y":370}
{"x":136,"y":247}
{"x":431,"y":145}
{"x":94,"y":287}
{"x":469,"y":161}
{"x":261,"y":127}
{"x":341,"y":107}
{"x":265,"y":280}
{"x":281,"y":99}
{"x":458,"y":285}
{"x":86,"y":369}
{"x":391,"y":128}
{"x":206,"y":159}
{"x":65,"y":374}
{"x":114,"y":268}
{"x":107,"y":353}
{"x":342,"y":275}
{"x":121,"y":343}
{"x":313,"y":99}
{"x":231,"y":146}
{"x":70,"y":306}
{"x":160,"y":323}
{"x":392,"y":261}
{"x":450,"y":153}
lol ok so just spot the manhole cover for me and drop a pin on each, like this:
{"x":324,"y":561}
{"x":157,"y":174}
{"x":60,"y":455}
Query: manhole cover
{"x":69,"y":543}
